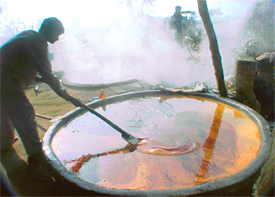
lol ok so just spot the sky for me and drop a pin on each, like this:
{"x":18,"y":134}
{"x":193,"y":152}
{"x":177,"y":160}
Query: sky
{"x":103,"y":11}
{"x":106,"y":42}
{"x":83,"y":10}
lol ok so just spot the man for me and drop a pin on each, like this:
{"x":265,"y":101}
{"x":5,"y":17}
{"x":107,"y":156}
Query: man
{"x":178,"y":22}
{"x":22,"y":58}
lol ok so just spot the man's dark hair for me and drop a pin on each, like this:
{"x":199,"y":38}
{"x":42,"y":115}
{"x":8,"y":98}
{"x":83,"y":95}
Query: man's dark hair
{"x":52,"y":24}
{"x":177,"y":7}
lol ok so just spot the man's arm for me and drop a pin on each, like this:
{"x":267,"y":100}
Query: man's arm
{"x":43,"y":66}
{"x":188,"y":12}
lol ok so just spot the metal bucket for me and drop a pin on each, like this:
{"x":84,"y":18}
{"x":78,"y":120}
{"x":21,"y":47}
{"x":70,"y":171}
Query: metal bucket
{"x":229,"y":141}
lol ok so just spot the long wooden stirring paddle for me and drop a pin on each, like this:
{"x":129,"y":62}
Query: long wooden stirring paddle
{"x":126,"y":136}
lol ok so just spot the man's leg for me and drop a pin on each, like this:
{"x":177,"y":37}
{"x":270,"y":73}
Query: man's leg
{"x":7,"y":130}
{"x":22,"y":115}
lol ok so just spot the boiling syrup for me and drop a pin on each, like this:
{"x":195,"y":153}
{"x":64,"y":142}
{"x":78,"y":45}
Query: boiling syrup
{"x":226,"y":141}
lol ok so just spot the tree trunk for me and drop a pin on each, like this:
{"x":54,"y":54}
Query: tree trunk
{"x":216,"y":57}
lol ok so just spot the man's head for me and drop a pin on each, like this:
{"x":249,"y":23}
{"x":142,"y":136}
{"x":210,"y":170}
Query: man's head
{"x":52,"y":28}
{"x":178,"y":9}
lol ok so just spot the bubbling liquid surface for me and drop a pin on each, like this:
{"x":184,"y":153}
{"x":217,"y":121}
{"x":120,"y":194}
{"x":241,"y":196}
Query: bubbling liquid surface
{"x":196,"y":140}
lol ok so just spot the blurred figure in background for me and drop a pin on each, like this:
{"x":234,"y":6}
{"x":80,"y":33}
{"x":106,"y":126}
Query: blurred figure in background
{"x":179,"y":24}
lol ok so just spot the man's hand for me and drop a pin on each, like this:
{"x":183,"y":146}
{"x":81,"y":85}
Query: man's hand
{"x":56,"y":86}
{"x":38,"y":79}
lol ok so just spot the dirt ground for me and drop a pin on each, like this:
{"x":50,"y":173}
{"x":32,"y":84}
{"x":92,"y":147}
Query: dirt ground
{"x":15,"y":171}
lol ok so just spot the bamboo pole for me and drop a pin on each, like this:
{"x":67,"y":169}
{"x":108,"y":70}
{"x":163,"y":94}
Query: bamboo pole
{"x":216,"y":57}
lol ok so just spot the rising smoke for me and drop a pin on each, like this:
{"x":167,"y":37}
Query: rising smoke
{"x":141,"y":47}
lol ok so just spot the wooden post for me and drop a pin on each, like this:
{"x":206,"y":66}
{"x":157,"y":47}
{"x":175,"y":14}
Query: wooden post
{"x":203,"y":10}
{"x":244,"y":84}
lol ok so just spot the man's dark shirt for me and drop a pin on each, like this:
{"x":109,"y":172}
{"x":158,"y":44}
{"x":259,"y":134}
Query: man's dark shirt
{"x":23,"y":57}
{"x":177,"y":21}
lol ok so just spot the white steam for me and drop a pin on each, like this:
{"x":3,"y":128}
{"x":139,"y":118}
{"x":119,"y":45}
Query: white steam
{"x":140,"y":47}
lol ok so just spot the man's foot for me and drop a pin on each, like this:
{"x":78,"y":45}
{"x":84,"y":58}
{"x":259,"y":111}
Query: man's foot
{"x":38,"y":166}
{"x":11,"y":161}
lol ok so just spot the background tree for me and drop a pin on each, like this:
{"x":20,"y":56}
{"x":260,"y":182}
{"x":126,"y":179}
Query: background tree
{"x":261,"y":24}
{"x":214,"y":48}
{"x":9,"y":27}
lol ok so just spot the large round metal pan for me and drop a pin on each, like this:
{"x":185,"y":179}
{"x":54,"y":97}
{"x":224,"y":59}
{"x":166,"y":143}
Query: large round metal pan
{"x":224,"y":185}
